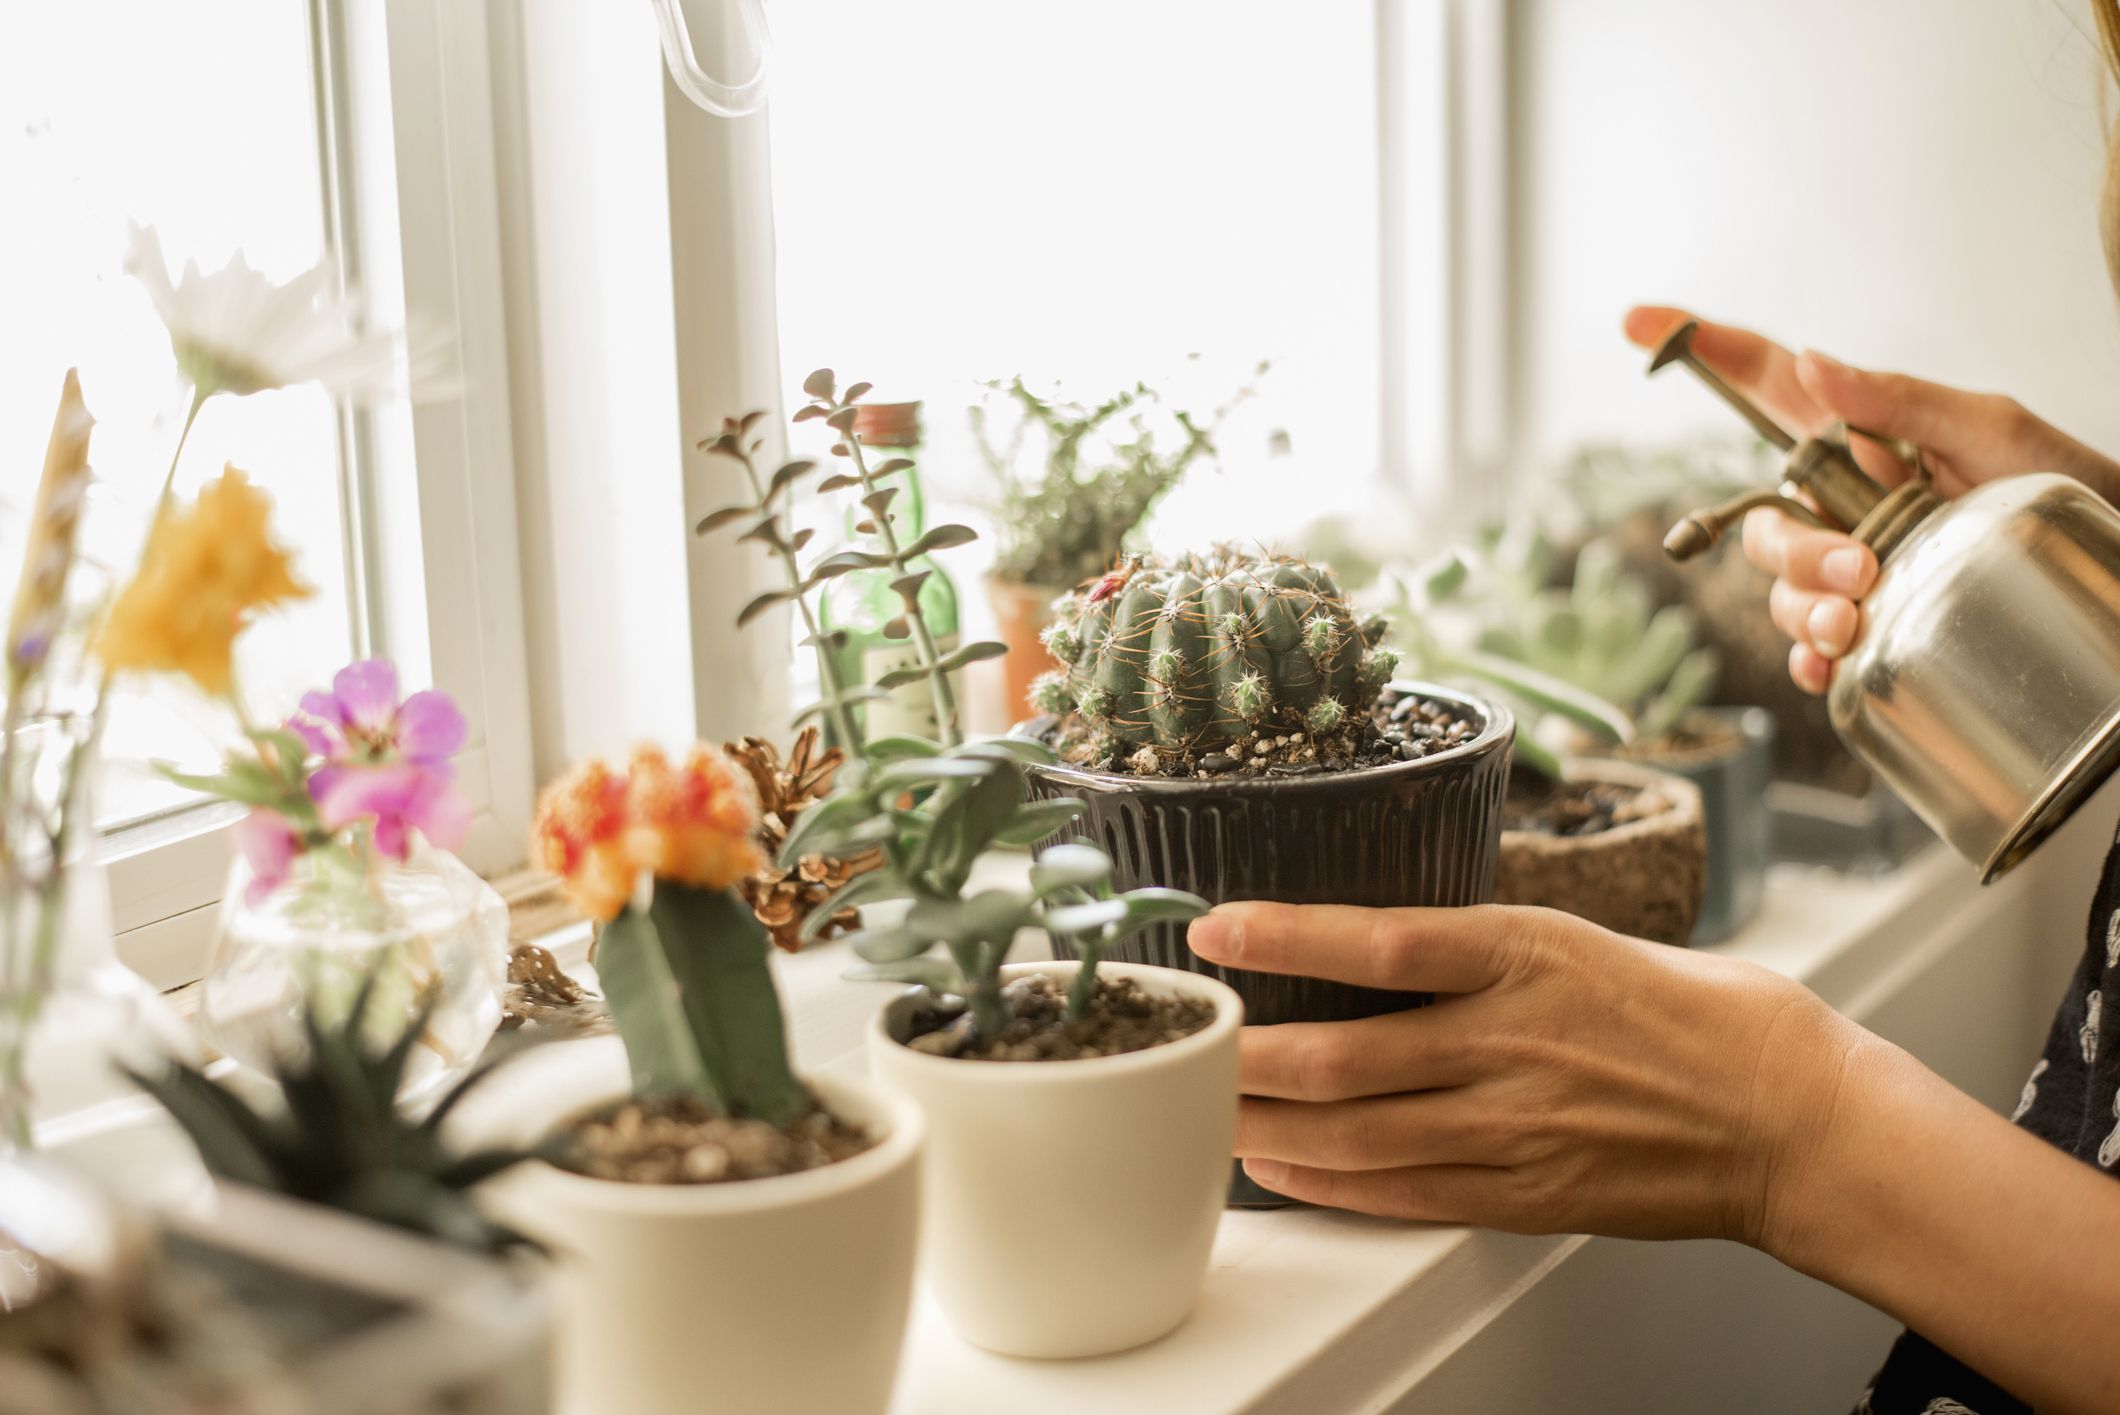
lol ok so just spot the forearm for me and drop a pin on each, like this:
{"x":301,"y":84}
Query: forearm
{"x":1989,"y":1242}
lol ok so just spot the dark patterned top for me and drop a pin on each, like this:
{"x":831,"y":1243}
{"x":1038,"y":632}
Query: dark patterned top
{"x":2071,"y":1100}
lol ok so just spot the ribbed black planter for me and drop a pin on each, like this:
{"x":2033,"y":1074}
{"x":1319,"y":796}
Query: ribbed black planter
{"x":1408,"y":833}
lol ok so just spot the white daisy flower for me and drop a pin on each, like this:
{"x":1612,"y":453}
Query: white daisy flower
{"x":234,"y":331}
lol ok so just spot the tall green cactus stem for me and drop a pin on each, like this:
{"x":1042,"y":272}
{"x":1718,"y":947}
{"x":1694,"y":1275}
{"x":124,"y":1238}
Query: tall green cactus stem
{"x":693,"y":997}
{"x":1200,"y":652}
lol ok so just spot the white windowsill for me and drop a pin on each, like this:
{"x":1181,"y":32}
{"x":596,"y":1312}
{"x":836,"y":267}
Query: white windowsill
{"x":1312,"y":1311}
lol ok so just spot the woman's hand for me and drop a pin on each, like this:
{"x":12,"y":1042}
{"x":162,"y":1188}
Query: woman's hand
{"x":1574,"y":1082}
{"x":1970,"y":438}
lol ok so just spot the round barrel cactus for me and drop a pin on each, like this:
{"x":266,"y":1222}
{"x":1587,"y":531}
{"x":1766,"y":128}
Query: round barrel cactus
{"x":1195,"y":653}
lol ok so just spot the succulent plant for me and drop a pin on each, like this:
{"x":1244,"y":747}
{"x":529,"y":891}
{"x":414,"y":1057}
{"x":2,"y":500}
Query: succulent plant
{"x":1599,"y":654}
{"x":340,"y":1139}
{"x":930,"y":810}
{"x":1105,"y":468}
{"x":1194,"y":653}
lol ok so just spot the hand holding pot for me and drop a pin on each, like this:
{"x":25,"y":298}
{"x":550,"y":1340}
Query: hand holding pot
{"x":1572,"y":1081}
{"x":1969,"y":438}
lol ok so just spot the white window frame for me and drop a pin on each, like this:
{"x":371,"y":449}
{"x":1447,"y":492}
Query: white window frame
{"x":412,"y":201}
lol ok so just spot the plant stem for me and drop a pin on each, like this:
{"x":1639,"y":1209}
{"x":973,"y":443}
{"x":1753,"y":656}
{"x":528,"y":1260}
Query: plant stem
{"x":924,"y":641}
{"x":841,"y":712}
{"x":1083,"y":989}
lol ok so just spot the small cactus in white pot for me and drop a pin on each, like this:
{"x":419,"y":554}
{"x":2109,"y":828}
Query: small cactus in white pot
{"x":697,"y":1188}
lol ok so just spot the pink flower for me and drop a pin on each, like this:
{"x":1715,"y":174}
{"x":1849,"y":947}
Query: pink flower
{"x":399,"y":797}
{"x":385,"y":761}
{"x":268,"y":844}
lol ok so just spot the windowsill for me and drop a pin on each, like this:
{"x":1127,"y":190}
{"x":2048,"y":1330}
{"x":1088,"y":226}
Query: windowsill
{"x":1314,"y":1311}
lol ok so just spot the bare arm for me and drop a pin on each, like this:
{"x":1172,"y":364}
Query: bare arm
{"x":1577,"y":1081}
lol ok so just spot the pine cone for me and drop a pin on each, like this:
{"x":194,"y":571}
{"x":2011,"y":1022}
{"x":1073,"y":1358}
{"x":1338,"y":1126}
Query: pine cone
{"x":784,"y":899}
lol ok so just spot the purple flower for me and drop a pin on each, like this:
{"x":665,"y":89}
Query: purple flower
{"x":385,"y":761}
{"x":268,"y":844}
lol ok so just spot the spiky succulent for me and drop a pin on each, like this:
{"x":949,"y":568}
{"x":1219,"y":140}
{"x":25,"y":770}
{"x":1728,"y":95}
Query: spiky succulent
{"x":1201,"y":651}
{"x":340,"y":1140}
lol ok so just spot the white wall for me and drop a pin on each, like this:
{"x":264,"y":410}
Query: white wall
{"x":1911,"y":183}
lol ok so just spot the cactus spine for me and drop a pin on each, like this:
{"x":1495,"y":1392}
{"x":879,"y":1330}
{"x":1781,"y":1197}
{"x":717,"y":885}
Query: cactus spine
{"x":1197,"y":653}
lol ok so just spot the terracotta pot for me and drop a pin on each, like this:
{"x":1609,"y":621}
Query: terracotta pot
{"x":1071,"y":1205}
{"x":1021,"y":613}
{"x":1645,"y":878}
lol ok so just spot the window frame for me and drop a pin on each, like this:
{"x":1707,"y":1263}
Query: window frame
{"x":405,"y":115}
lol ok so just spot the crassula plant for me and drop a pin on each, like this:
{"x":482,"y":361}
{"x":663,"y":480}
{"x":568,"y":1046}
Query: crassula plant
{"x":1173,"y":658}
{"x":930,"y":809}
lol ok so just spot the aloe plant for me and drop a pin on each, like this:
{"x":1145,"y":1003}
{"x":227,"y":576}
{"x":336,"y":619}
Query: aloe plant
{"x":339,"y":1138}
{"x":932,"y":809}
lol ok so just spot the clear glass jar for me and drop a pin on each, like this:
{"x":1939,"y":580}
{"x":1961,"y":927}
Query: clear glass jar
{"x":428,"y":925}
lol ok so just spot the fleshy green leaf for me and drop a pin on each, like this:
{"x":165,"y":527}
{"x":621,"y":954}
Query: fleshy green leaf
{"x":1070,"y":866}
{"x":971,"y":653}
{"x":715,"y":520}
{"x":787,"y":475}
{"x":884,"y":749}
{"x":1034,"y":820}
{"x":1085,"y":918}
{"x":935,"y":974}
{"x":761,"y":604}
{"x":942,"y":537}
{"x":819,"y":385}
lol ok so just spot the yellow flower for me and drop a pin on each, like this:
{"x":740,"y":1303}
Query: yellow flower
{"x":207,"y":571}
{"x":691,"y":824}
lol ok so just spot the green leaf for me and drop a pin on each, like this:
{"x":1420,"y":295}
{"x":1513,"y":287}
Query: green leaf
{"x":1532,"y":753}
{"x":990,"y":916}
{"x":965,"y":826}
{"x":715,"y":520}
{"x":1070,"y":866}
{"x":850,"y":698}
{"x":232,"y":1140}
{"x":1006,"y":749}
{"x":803,"y":415}
{"x":908,"y":587}
{"x":1155,"y":905}
{"x":911,"y":771}
{"x":839,"y":481}
{"x":875,"y":887}
{"x":935,"y":974}
{"x":818,"y":829}
{"x":942,"y":537}
{"x":1091,"y":917}
{"x":1545,"y":691}
{"x":761,"y":604}
{"x":892,"y":466}
{"x":885,"y":749}
{"x":1034,"y":820}
{"x":841,"y":420}
{"x":766,"y":531}
{"x":890,"y":944}
{"x":972,"y":653}
{"x":819,"y":385}
{"x":787,"y":475}
{"x":855,"y":392}
{"x":899,"y":677}
{"x":846,"y":562}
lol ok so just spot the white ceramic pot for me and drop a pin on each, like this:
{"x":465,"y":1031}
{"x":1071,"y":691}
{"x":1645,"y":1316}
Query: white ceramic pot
{"x":766,"y":1295}
{"x":1072,"y":1205}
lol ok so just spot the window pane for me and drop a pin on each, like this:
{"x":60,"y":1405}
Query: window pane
{"x":198,"y":120}
{"x":1093,"y":193}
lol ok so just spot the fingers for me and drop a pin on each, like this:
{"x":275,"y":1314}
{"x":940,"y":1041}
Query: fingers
{"x":1809,"y":669}
{"x":1447,"y":1193}
{"x":1756,"y":366}
{"x":1380,"y":1132}
{"x":1375,"y":1056}
{"x":1410,"y":950}
{"x":1811,"y":560}
{"x":1828,"y":623}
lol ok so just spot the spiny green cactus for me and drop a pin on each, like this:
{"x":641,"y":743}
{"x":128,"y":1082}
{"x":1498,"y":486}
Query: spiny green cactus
{"x":1200,"y":652}
{"x":342,"y":1141}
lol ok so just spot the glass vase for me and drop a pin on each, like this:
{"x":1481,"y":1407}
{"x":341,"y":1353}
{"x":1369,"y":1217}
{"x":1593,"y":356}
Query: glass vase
{"x":424,"y":932}
{"x":72,"y":1016}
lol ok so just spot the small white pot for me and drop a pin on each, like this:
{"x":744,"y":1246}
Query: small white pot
{"x":763,"y":1295}
{"x":1072,"y":1205}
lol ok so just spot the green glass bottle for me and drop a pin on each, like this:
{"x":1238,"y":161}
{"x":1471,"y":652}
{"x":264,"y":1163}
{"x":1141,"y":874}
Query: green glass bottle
{"x":863,"y":602}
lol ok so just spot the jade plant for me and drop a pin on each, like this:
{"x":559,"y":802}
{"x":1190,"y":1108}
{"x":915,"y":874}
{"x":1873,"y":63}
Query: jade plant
{"x":339,"y":1138}
{"x":930,"y":809}
{"x":1598,"y":655}
{"x":1194,"y":653}
{"x":1105,"y":467}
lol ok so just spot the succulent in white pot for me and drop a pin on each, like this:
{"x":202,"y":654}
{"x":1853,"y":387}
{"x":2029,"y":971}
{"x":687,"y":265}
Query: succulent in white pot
{"x":701,"y":1200}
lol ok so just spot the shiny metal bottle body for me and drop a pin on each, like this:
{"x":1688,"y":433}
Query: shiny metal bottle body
{"x":1985,"y":685}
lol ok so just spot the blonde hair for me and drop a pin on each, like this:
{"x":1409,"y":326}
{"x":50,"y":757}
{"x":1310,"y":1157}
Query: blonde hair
{"x":2107,"y":14}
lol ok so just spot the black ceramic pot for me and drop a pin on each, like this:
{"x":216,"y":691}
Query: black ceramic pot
{"x":1419,"y":832}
